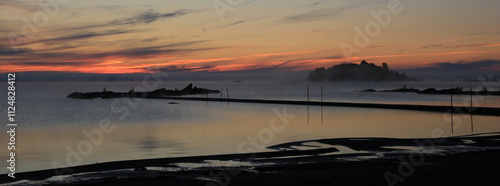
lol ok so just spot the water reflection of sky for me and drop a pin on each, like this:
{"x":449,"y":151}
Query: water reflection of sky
{"x":228,"y":125}
{"x":49,"y":123}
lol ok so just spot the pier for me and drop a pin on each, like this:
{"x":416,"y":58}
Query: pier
{"x":487,"y":111}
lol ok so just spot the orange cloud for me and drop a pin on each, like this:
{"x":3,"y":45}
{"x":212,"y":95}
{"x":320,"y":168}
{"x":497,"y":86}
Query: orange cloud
{"x":476,"y":45}
{"x":196,"y":61}
{"x":424,"y":54}
{"x":123,"y":64}
{"x":280,"y":54}
{"x":80,"y":69}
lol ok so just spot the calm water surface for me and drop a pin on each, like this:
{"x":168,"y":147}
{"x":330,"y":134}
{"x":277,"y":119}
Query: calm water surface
{"x":50,"y":124}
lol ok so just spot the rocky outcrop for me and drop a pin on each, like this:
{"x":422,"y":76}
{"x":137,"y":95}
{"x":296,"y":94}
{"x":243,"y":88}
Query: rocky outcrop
{"x":189,"y":90}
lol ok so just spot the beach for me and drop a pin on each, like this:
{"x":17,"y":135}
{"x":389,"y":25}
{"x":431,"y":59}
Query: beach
{"x":462,"y":160}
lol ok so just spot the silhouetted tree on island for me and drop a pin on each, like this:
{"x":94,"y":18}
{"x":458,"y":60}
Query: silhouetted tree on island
{"x":353,"y":72}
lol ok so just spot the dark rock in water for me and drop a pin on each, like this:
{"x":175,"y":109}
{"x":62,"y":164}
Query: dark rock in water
{"x":403,"y":90}
{"x":188,"y":90}
{"x":170,"y":166}
{"x":369,"y":90}
{"x":140,"y":169}
{"x":429,"y":91}
{"x":173,"y":103}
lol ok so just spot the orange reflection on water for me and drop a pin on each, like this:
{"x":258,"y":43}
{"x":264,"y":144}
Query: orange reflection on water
{"x":234,"y":124}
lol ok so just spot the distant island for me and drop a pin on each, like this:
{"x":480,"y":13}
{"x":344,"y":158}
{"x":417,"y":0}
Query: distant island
{"x":456,"y":91}
{"x":189,"y":90}
{"x":364,"y":72}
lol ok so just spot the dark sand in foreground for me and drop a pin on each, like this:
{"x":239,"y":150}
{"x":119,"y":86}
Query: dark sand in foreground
{"x":468,"y":160}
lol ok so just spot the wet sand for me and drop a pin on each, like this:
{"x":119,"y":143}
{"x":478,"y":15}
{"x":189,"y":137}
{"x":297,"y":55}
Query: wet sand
{"x":466,"y":160}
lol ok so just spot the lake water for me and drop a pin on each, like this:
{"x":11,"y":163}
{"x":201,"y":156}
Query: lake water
{"x":51,"y":126}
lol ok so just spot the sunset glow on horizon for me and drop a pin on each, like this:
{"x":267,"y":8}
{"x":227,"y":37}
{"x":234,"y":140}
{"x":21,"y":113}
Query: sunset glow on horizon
{"x":120,"y":37}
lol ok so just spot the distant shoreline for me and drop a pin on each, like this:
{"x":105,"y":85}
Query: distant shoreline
{"x":431,"y":91}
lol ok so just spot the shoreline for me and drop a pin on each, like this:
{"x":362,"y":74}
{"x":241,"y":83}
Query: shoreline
{"x":294,"y":158}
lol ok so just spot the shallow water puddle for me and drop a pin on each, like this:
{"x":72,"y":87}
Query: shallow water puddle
{"x":409,"y":148}
{"x":343,"y":150}
{"x":359,"y":158}
{"x":468,"y":141}
{"x":219,"y":163}
{"x":309,"y":146}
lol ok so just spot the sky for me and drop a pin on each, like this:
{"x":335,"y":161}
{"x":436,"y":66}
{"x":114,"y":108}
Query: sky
{"x":459,"y":38}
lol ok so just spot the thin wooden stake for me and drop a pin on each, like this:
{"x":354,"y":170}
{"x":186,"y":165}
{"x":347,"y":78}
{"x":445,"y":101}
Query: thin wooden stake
{"x":470,"y":111}
{"x":227,"y":92}
{"x":307,"y":105}
{"x":321,"y":114}
{"x":321,"y":94}
{"x":451,"y":100}
{"x":307,"y":93}
{"x":307,"y":114}
{"x":451,"y":111}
